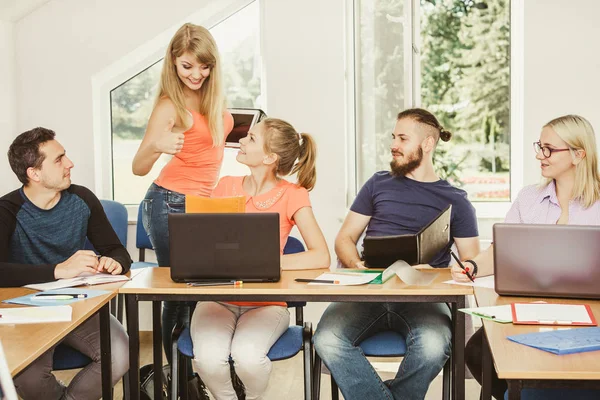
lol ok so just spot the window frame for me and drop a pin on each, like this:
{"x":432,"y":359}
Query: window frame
{"x":485,"y":209}
{"x":124,"y":69}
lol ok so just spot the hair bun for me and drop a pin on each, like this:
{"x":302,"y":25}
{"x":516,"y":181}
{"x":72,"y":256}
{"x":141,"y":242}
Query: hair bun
{"x":445,"y":135}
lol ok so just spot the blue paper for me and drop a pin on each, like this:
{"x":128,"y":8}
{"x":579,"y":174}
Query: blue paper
{"x":560,"y":342}
{"x":28,"y":301}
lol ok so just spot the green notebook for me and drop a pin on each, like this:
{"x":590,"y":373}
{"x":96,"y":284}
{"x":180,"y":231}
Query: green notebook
{"x":380,"y":272}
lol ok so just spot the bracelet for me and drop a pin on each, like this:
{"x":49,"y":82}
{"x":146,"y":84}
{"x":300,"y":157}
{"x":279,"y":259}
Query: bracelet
{"x":474,"y":266}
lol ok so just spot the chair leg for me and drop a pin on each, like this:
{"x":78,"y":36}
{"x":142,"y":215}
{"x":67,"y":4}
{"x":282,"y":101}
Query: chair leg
{"x":316,"y":377}
{"x":446,"y":381}
{"x":308,"y":360}
{"x":335,"y":395}
{"x":113,"y":306}
{"x":183,"y":378}
{"x":120,"y":302}
{"x":174,"y":374}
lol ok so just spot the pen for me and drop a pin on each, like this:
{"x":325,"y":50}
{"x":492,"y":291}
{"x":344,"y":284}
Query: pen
{"x":462,"y":266}
{"x":66,"y":296}
{"x":224,"y":283}
{"x":317,"y":281}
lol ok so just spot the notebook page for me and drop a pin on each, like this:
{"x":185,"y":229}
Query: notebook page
{"x":552,"y":312}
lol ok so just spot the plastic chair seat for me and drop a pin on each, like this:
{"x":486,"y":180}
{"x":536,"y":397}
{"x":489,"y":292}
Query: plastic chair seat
{"x":287,"y":346}
{"x":384,"y":344}
{"x":66,"y":357}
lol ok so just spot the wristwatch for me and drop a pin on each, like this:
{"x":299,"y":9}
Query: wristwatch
{"x":475,"y":269}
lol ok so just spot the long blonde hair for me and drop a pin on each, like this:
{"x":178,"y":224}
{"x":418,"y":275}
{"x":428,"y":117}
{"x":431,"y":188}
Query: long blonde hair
{"x":282,"y":139}
{"x":197,"y":41}
{"x":578,"y":133}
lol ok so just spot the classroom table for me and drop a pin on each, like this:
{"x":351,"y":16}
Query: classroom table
{"x":525,"y":367}
{"x":24,"y":343}
{"x":155,"y":285}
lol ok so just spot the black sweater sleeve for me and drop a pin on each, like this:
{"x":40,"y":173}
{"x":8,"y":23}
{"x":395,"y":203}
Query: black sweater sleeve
{"x":100,"y":233}
{"x":15,"y":274}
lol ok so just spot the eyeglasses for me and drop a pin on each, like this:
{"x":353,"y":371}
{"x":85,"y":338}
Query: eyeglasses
{"x":546,"y":151}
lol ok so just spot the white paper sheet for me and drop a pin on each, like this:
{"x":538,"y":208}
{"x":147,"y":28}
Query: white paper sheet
{"x":485,"y":282}
{"x":78,"y":281}
{"x":35,"y":315}
{"x":550,"y":313}
{"x":501,"y":314}
{"x":411,"y":276}
{"x":345,"y":279}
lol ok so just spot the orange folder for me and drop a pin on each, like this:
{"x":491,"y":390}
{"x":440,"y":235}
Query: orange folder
{"x":198,"y":204}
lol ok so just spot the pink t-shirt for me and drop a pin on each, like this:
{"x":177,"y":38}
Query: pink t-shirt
{"x":535,"y":205}
{"x":286,"y":198}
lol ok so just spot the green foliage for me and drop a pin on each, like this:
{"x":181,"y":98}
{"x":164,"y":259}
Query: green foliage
{"x":465,"y":63}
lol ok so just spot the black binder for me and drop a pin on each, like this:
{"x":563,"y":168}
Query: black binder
{"x":419,"y":248}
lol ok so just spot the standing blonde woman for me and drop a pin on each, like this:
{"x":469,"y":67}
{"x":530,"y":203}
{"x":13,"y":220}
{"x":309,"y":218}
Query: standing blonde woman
{"x":189,"y":121}
{"x":569,"y":194}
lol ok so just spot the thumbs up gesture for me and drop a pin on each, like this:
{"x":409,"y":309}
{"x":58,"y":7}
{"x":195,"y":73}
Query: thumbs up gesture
{"x":169,"y":142}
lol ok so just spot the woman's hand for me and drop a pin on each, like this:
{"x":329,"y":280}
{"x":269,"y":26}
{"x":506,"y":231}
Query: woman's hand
{"x":459,"y":275}
{"x":169,"y":142}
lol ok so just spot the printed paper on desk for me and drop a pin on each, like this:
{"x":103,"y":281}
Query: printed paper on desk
{"x":345,"y":279}
{"x":552,"y":314}
{"x":30,"y":300}
{"x":78,"y":281}
{"x":501,"y":314}
{"x":485,"y":282}
{"x":409,"y":275}
{"x":35,"y":315}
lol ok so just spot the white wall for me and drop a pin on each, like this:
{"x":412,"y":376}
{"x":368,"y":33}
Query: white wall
{"x":61,"y":45}
{"x":8,"y":114}
{"x":303,"y":60}
{"x":562,"y":68}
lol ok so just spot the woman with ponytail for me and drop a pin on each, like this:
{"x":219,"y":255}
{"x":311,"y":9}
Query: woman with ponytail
{"x":246,"y":331}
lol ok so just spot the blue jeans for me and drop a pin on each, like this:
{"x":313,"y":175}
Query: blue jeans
{"x":427,"y":328}
{"x":158,"y":203}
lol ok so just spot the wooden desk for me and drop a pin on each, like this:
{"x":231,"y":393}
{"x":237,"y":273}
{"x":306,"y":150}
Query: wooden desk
{"x":524,"y":366}
{"x":156,"y":285}
{"x":23,"y":344}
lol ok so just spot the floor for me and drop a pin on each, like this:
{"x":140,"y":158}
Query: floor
{"x":287,"y":377}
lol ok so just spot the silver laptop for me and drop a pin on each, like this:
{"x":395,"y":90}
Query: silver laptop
{"x":218,"y":247}
{"x":547,"y":260}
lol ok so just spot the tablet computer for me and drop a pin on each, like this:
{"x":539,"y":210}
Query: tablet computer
{"x":419,"y":248}
{"x":243,"y":120}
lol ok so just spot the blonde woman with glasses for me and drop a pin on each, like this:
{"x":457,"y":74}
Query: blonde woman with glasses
{"x":568,"y":194}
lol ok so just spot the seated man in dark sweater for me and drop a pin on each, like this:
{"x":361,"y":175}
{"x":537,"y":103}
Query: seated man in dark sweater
{"x":394,"y":203}
{"x":43,"y":226}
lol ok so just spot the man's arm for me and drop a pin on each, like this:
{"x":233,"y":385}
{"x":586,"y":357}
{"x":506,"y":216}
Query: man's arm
{"x":101,"y":234}
{"x":345,"y":241}
{"x":15,"y":274}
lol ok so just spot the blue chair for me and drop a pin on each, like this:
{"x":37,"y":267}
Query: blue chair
{"x":296,"y":338}
{"x":65,"y":357}
{"x":142,"y":242}
{"x":382,"y":344}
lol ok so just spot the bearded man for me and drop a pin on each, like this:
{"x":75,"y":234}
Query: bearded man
{"x":396,"y":202}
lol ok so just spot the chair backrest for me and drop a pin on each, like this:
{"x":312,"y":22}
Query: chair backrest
{"x":117,"y":216}
{"x":293,"y":246}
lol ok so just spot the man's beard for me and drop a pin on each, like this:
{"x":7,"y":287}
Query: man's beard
{"x":414,"y":160}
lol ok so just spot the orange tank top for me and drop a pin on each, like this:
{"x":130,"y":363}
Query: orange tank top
{"x":195,"y":169}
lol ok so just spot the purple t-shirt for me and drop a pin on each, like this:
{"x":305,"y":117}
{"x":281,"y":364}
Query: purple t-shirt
{"x":399,"y":206}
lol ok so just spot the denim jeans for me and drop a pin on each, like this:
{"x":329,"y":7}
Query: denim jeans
{"x":427,"y":328}
{"x":158,"y":203}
